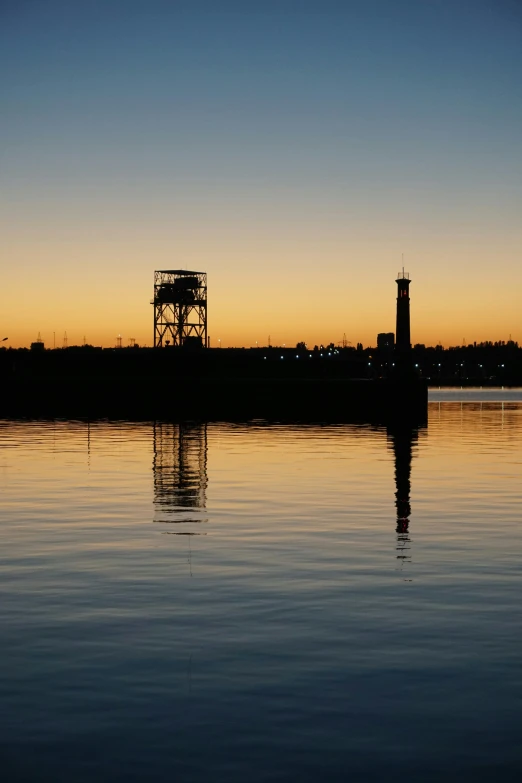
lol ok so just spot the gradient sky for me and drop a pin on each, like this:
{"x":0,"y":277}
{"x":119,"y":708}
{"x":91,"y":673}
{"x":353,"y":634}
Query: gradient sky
{"x":292,"y":150}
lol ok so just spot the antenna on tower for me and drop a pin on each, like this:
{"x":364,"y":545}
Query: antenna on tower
{"x":65,"y":339}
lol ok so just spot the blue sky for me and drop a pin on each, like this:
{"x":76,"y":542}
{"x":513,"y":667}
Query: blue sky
{"x":259,"y":140}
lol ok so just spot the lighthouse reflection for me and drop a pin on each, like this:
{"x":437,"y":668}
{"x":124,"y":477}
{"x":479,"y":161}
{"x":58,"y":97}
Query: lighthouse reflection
{"x":180,"y":472}
{"x":403,"y":440}
{"x":181,"y":480}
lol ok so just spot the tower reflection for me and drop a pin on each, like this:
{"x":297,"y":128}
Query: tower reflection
{"x":180,"y":469}
{"x":403,"y":438}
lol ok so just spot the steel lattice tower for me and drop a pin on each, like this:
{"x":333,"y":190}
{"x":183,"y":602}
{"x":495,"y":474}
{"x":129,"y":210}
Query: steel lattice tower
{"x":180,"y":308}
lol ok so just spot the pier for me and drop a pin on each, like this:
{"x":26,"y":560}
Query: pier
{"x":210,"y":384}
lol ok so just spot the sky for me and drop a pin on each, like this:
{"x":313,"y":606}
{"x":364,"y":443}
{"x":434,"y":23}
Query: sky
{"x":295,"y":151}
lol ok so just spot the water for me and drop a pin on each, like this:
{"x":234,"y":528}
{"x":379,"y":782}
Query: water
{"x":262,"y":602}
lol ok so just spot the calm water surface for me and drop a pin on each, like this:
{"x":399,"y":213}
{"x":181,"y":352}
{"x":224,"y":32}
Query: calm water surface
{"x":262,"y":602}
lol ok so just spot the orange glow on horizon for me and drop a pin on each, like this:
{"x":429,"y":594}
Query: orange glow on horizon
{"x":292,"y":290}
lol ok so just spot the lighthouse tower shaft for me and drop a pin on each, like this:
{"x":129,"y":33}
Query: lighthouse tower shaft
{"x":408,"y":393}
{"x":402,"y":331}
{"x":403,"y":354}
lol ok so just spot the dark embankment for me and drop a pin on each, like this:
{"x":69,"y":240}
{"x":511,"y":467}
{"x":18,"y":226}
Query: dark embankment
{"x":210,"y":384}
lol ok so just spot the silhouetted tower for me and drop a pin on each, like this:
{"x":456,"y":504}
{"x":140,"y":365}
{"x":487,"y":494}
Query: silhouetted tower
{"x":180,"y":308}
{"x":402,"y":330}
{"x":403,"y":360}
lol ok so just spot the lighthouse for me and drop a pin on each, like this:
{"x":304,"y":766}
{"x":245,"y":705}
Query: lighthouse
{"x":402,"y":331}
{"x":403,"y":361}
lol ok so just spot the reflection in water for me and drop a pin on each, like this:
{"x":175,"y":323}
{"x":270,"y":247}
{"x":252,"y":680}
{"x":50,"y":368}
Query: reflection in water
{"x":402,"y":439}
{"x":113,"y":661}
{"x":180,"y":468}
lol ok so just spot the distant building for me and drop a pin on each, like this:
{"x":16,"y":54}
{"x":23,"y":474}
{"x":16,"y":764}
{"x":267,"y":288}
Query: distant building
{"x":385,"y":341}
